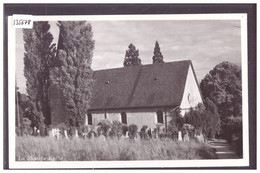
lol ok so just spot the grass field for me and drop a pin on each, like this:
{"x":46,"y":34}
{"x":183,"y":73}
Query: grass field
{"x":46,"y":148}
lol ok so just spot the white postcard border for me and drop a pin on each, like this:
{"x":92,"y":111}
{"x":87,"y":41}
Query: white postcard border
{"x":128,"y":164}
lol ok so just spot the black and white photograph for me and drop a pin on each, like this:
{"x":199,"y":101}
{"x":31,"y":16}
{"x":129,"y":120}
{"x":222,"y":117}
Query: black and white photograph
{"x":101,"y":91}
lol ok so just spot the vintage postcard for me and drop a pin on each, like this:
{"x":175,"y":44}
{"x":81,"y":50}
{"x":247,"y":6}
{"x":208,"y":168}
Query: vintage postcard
{"x":128,"y":91}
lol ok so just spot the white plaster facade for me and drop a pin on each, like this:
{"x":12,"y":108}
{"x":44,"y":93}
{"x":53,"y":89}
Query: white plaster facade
{"x":191,"y":96}
{"x":139,"y":117}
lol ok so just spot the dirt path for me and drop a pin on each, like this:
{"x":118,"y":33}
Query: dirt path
{"x":223,"y":149}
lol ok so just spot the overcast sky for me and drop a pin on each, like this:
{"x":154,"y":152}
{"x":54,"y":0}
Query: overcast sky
{"x":206,"y":43}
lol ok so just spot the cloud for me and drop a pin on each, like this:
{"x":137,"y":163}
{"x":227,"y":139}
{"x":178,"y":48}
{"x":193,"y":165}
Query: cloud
{"x":205,"y":42}
{"x":175,"y":47}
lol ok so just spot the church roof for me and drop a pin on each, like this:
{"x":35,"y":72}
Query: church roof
{"x":144,"y":86}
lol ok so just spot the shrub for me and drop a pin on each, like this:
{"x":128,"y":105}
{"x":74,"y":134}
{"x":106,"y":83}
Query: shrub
{"x":238,"y":145}
{"x":79,"y":129}
{"x":232,"y":128}
{"x":26,"y":127}
{"x":132,"y":131}
{"x":232,"y":132}
{"x":42,"y":129}
{"x":204,"y":119}
{"x":172,"y":131}
{"x":72,"y":131}
{"x":29,"y":116}
{"x":105,"y":126}
{"x":144,"y":133}
{"x":116,"y":130}
{"x":124,"y":129}
{"x":176,"y":118}
{"x":188,"y":129}
{"x":84,"y":129}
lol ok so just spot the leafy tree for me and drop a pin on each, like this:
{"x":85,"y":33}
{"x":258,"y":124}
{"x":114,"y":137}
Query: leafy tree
{"x":38,"y":55}
{"x":195,"y":118}
{"x":28,"y":116}
{"x":18,"y":111}
{"x":74,"y":74}
{"x":157,"y":55}
{"x":131,"y":57}
{"x":223,"y":87}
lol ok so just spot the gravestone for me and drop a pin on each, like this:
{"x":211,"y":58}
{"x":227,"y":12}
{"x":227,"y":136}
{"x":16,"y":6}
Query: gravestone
{"x":76,"y":134}
{"x":179,"y":136}
{"x":102,"y":138}
{"x":127,"y":135}
{"x":186,"y":138}
{"x":66,"y":134}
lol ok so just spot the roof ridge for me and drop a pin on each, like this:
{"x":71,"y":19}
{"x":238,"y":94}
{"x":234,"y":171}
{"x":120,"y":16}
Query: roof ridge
{"x":141,"y":65}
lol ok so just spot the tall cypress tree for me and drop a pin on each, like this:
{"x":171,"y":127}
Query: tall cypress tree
{"x":38,"y":55}
{"x":131,"y":56}
{"x":74,"y":74}
{"x":157,"y":55}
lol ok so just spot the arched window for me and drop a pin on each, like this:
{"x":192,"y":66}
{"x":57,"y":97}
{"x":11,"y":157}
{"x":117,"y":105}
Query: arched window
{"x":159,"y":117}
{"x":123,"y":118}
{"x":89,"y":119}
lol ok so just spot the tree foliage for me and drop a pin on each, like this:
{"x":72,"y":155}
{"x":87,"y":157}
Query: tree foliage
{"x":132,"y":131}
{"x":177,"y":120}
{"x":157,"y":55}
{"x":204,"y":119}
{"x":27,"y":117}
{"x":39,"y":52}
{"x":104,"y":127}
{"x":74,"y":74}
{"x":131,"y":56}
{"x":223,"y":86}
{"x":232,"y":131}
{"x":116,"y":129}
{"x":232,"y":128}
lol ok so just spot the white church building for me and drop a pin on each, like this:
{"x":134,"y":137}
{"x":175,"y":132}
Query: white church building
{"x":143,"y":95}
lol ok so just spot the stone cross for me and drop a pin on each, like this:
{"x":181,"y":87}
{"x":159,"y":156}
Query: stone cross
{"x":56,"y":133}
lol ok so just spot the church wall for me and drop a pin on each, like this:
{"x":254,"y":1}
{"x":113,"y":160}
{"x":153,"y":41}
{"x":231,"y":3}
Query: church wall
{"x":139,"y":117}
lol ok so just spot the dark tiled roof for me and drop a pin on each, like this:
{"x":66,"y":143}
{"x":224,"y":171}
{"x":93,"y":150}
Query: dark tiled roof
{"x":154,"y":85}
